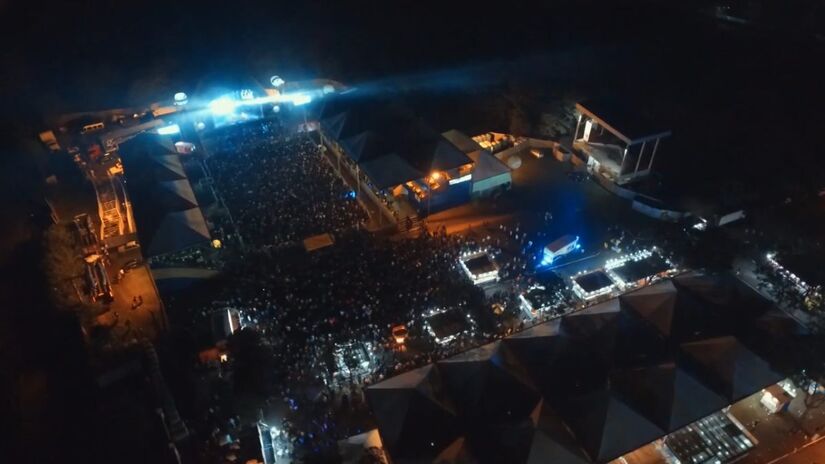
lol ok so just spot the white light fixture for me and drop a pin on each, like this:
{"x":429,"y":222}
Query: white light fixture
{"x":169,"y":130}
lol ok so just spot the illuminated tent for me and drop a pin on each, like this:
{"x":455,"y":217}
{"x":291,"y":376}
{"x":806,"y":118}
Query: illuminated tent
{"x":488,"y":171}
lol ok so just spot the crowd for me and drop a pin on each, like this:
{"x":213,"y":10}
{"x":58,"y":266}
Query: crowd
{"x":305,"y":306}
{"x":277,"y":186}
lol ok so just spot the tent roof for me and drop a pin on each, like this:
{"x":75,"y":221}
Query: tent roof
{"x":176,"y":231}
{"x":553,"y":441}
{"x":372,"y":128}
{"x":176,"y":195}
{"x":165,"y":206}
{"x":147,"y":145}
{"x":667,"y":394}
{"x":606,"y":426}
{"x":730,"y":367}
{"x":611,"y":373}
{"x":462,"y":141}
{"x":390,"y":170}
{"x":410,"y":402}
{"x":655,"y":303}
{"x":365,"y":146}
{"x":486,"y":165}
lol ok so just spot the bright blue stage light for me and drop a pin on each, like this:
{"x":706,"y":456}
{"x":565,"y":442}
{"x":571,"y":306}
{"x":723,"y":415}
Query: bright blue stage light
{"x":222,"y":106}
{"x":546,"y":259}
{"x":301,"y":99}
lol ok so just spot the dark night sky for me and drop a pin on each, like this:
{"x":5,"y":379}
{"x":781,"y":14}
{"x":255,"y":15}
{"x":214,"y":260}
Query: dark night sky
{"x":72,"y":55}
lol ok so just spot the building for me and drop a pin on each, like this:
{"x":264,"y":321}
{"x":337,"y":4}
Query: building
{"x":592,"y":385}
{"x":166,"y":212}
{"x":560,"y":247}
{"x":393,"y":154}
{"x":490,"y":176}
{"x":617,"y":142}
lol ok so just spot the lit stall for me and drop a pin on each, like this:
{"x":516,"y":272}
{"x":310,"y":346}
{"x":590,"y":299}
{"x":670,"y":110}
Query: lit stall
{"x":538,"y":299}
{"x":592,"y":284}
{"x":446,"y":325}
{"x":479,"y":266}
{"x":638,"y":269}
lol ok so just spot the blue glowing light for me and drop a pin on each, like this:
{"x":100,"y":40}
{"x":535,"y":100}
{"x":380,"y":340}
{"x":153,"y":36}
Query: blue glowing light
{"x":350,"y":195}
{"x":548,"y":256}
{"x":169,"y":130}
{"x":301,"y":99}
{"x":222,"y":106}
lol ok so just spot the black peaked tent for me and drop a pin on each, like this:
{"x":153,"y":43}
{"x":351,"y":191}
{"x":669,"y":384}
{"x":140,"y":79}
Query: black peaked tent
{"x":666,"y":394}
{"x":733,"y":370}
{"x":577,"y":389}
{"x":409,"y":404}
{"x":164,"y":206}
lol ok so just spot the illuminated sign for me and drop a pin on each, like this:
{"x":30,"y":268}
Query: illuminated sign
{"x":461,"y":179}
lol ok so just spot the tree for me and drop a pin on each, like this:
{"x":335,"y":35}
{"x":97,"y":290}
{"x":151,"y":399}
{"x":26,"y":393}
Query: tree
{"x":62,"y":265}
{"x":519,"y":122}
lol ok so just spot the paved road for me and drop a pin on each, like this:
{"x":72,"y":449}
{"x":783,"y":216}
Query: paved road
{"x":148,"y":318}
{"x":745,"y":270}
{"x":813,"y":454}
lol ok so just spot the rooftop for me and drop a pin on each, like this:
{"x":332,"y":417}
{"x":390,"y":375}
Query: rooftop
{"x":480,"y":264}
{"x":633,"y":271}
{"x":593,"y":385}
{"x":624,"y":120}
{"x":390,"y":142}
{"x":593,"y":281}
